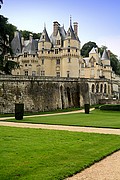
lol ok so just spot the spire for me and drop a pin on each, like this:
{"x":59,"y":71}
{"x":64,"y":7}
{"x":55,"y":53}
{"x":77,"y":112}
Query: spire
{"x":105,"y":55}
{"x":44,"y":25}
{"x":70,"y":20}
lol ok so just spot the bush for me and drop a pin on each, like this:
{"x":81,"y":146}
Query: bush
{"x":111,"y":107}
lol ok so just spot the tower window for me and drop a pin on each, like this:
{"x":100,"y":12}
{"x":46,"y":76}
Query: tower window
{"x":58,"y":42}
{"x":56,"y":51}
{"x":57,"y":74}
{"x":69,"y":50}
{"x":57,"y":61}
{"x":26,"y":73}
{"x":68,"y":74}
{"x":42,"y":61}
{"x":25,"y":54}
{"x":69,"y":60}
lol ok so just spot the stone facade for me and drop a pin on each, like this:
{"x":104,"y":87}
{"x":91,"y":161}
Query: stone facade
{"x":44,"y":94}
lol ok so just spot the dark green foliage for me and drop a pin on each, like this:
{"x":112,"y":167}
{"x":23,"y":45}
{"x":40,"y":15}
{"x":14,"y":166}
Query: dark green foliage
{"x":110,"y":107}
{"x":26,"y":34}
{"x":6,"y":35}
{"x":19,"y":111}
{"x":87,"y":48}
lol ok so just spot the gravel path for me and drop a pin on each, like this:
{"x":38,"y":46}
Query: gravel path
{"x":106,"y":169}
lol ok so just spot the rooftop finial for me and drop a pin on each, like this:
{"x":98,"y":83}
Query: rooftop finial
{"x":70,"y":20}
{"x":44,"y":25}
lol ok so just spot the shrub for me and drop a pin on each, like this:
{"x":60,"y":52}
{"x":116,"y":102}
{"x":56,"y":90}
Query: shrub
{"x":111,"y":107}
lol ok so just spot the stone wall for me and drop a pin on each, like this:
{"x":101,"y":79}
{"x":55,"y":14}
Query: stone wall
{"x":43,"y":93}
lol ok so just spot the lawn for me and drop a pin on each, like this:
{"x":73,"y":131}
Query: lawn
{"x":32,"y":154}
{"x":96,"y":118}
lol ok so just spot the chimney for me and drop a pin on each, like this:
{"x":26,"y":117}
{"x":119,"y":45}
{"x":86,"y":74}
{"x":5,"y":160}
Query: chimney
{"x":22,"y":41}
{"x":30,"y":37}
{"x":75,"y":28}
{"x":55,"y":28}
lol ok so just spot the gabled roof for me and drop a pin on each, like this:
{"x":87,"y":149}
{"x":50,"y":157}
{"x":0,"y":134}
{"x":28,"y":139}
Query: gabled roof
{"x":93,"y":51}
{"x":71,"y":33}
{"x":47,"y":39}
{"x":105,"y":55}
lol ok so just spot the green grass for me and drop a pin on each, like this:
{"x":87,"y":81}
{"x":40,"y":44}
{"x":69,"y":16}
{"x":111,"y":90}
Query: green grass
{"x":35,"y":154}
{"x":96,"y":118}
{"x":42,"y":112}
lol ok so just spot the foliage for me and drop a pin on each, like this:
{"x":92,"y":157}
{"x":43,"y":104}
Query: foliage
{"x":1,"y":2}
{"x":48,"y":154}
{"x":26,"y":34}
{"x":113,"y":58}
{"x":110,"y":107}
{"x":96,"y":118}
{"x":6,"y":34}
{"x":87,"y":48}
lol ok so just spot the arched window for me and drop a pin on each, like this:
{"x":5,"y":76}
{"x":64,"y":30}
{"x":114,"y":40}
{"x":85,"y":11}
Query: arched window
{"x":97,"y":88}
{"x":93,"y":88}
{"x":105,"y":87}
{"x":101,"y":88}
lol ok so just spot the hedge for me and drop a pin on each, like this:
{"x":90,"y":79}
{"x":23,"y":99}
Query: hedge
{"x":111,"y":107}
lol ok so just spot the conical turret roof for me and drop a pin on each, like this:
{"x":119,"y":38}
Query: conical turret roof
{"x":105,"y":55}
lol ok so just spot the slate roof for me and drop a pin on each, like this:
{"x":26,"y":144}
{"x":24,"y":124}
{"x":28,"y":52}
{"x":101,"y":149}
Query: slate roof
{"x":30,"y":46}
{"x":47,"y":39}
{"x":105,"y":55}
{"x":16,"y":44}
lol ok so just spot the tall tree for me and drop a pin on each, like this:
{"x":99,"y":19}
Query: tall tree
{"x":6,"y":33}
{"x":1,"y":2}
{"x":87,"y":47}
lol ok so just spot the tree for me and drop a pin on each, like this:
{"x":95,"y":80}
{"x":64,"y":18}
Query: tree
{"x":87,"y":48}
{"x":26,"y":34}
{"x":6,"y":33}
{"x":1,"y":2}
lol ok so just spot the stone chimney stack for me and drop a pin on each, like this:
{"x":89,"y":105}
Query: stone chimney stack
{"x":30,"y":37}
{"x":22,"y":41}
{"x":75,"y":28}
{"x":55,"y":28}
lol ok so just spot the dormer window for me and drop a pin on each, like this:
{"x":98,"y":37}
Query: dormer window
{"x":43,"y":36}
{"x":68,"y":33}
{"x":25,"y":54}
{"x":92,"y":64}
{"x":56,"y":51}
{"x":58,"y":42}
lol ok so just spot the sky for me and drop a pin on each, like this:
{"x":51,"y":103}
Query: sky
{"x":98,"y":20}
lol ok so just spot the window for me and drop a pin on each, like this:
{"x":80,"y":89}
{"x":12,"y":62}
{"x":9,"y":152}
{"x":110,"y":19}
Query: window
{"x":92,"y":64}
{"x":43,"y":37}
{"x":97,"y":88}
{"x":26,"y":65}
{"x":69,"y":60}
{"x":56,"y":51}
{"x":57,"y":61}
{"x":57,"y":74}
{"x":33,"y":55}
{"x":26,"y":73}
{"x":33,"y":73}
{"x":68,"y":74}
{"x":93,"y":88}
{"x":25,"y":54}
{"x":42,"y":61}
{"x":82,"y":65}
{"x":58,"y":42}
{"x":42,"y":73}
{"x":68,"y":42}
{"x":105,"y":87}
{"x":101,"y":88}
{"x":68,"y":49}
